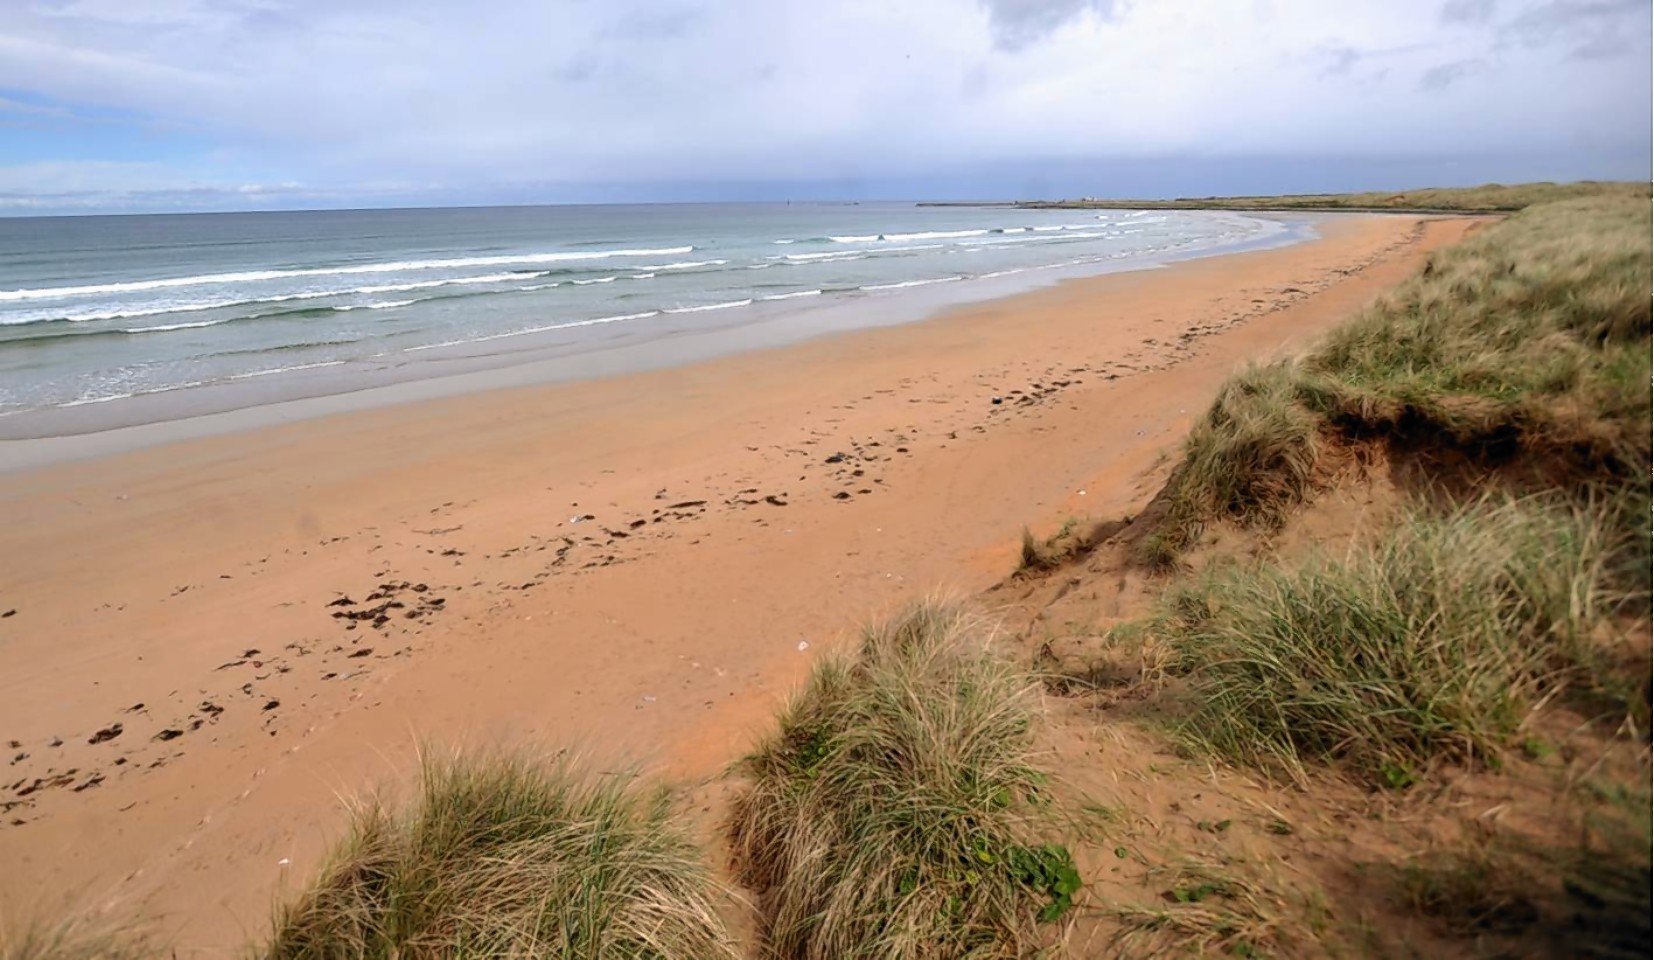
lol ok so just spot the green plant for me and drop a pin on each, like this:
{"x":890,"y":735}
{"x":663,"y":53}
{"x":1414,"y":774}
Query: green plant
{"x":1432,"y":643}
{"x":912,"y":832}
{"x":505,"y":854}
{"x":1528,"y":343}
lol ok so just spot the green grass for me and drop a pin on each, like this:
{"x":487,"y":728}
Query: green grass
{"x":506,"y":855}
{"x":1434,"y":643}
{"x":1249,"y":459}
{"x":898,"y":812}
{"x":1488,"y":198}
{"x":1528,"y":344}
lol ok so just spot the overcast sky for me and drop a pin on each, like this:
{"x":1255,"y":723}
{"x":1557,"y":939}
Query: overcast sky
{"x":262,"y":104}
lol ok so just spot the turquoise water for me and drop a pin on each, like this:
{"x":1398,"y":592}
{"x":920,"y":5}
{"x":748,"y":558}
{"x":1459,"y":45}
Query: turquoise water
{"x":94,"y":310}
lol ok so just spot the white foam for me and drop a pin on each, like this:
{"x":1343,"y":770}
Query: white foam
{"x":428,"y":284}
{"x":128,"y":313}
{"x":118,"y":313}
{"x":683,"y":265}
{"x":399,"y":266}
{"x":582,"y":283}
{"x":163,"y":328}
{"x":1041,"y":238}
{"x":711,"y":306}
{"x":789,"y":296}
{"x":829,"y":255}
{"x":869,"y":238}
{"x":907,"y":283}
{"x":299,"y":366}
{"x":519,"y":333}
{"x":376,"y":305}
{"x":83,"y":401}
{"x":639,"y":276}
{"x":932,"y":235}
{"x":841,"y":258}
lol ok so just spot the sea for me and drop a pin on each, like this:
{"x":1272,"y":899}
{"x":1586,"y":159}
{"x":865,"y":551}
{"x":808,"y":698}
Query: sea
{"x":101,"y":311}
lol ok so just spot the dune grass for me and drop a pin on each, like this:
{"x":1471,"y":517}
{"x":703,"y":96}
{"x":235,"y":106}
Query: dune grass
{"x":1434,"y":643}
{"x":1531,"y":338}
{"x":77,"y":935}
{"x":1487,"y":198}
{"x":507,"y":855}
{"x":898,"y":812}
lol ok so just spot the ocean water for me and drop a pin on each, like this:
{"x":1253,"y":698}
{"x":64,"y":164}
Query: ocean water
{"x":97,"y":310}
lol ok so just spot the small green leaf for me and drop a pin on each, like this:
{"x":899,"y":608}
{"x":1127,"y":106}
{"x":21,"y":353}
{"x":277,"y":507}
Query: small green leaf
{"x":1122,"y":852}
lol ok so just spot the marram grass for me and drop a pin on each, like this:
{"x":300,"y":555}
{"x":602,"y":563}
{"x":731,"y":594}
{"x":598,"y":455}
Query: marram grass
{"x":1433,"y":643}
{"x":1529,"y":339}
{"x":898,"y":813}
{"x":508,"y":855}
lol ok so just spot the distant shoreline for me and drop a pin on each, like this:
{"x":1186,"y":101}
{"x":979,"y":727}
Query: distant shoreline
{"x":1493,"y":198}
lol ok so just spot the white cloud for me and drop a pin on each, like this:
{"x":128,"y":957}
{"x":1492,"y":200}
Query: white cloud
{"x":523,"y":90}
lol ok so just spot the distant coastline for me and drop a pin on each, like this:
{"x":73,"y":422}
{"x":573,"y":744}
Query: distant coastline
{"x":1489,"y":198}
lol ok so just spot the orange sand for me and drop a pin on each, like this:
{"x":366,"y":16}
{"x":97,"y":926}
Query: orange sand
{"x":186,"y":588}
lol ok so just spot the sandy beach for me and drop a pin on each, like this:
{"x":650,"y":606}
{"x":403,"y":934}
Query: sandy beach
{"x":208,"y":643}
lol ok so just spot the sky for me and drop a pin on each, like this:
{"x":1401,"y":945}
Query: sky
{"x":162,"y":105}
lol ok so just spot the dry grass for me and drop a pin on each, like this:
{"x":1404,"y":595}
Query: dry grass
{"x":1251,"y":458}
{"x":1074,"y":539}
{"x":77,"y":935}
{"x":1207,"y":909}
{"x":898,"y":812}
{"x":507,"y":855}
{"x":1488,"y":198}
{"x":1433,"y":643}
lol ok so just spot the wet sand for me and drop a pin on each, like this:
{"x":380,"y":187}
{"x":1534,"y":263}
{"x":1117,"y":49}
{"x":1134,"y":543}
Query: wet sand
{"x":213,"y":639}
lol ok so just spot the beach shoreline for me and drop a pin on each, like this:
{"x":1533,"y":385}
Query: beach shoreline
{"x":43,"y":436}
{"x":639,"y":565}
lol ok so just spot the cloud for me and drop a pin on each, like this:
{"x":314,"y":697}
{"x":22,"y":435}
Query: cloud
{"x":1018,"y":23}
{"x":1580,"y":24}
{"x":521,"y":98}
{"x":1445,"y":75}
{"x":1468,"y":11}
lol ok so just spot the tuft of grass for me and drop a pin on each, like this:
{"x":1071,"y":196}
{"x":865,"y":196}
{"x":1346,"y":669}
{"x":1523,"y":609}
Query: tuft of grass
{"x":898,"y":812}
{"x":1033,"y":556}
{"x":77,"y":935}
{"x":503,"y":854}
{"x":1529,"y":339}
{"x":1073,"y":540}
{"x":1433,"y":643}
{"x":1251,"y":458}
